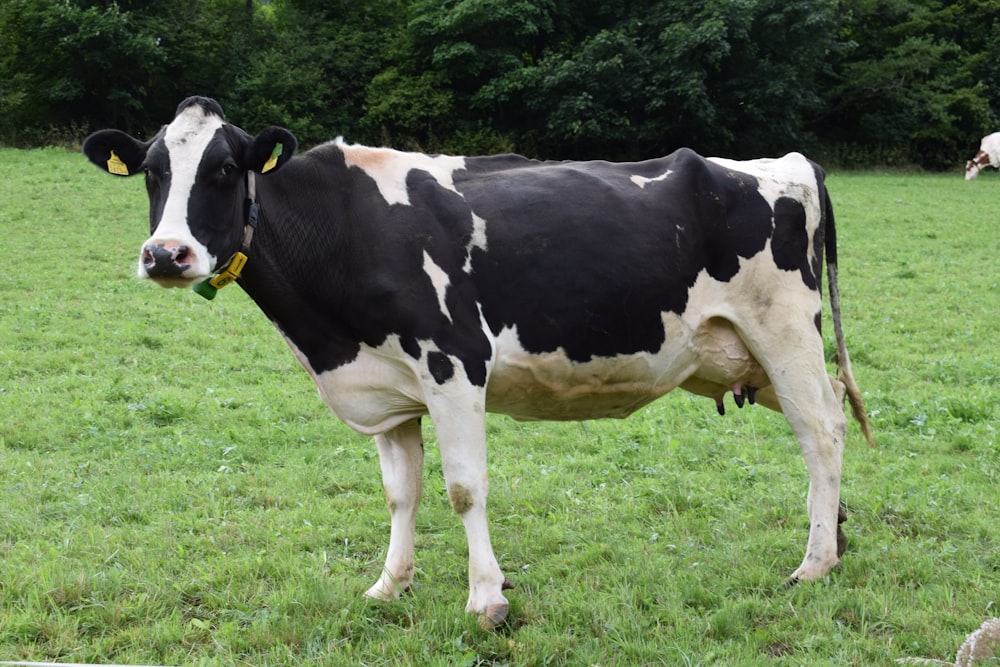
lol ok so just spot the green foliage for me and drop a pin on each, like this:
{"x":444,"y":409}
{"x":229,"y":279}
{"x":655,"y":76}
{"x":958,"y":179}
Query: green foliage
{"x":638,"y":82}
{"x":311,"y":69}
{"x":848,"y":81}
{"x":64,"y":64}
{"x":410,"y":109}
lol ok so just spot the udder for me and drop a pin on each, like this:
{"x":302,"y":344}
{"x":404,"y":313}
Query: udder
{"x":725,"y":364}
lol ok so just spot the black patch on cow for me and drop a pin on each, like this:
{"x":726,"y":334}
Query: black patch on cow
{"x":738,"y":224}
{"x":219,"y":193}
{"x":825,"y":237}
{"x":411,"y":346}
{"x":790,"y":244}
{"x":440,"y":367}
{"x":441,"y":226}
{"x":158,"y":175}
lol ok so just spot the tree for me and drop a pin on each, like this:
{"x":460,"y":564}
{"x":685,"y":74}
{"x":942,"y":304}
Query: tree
{"x":847,"y":81}
{"x":313,"y":65}
{"x":74,"y":63}
{"x":905,"y":90}
{"x":729,"y":77}
{"x":65,"y":63}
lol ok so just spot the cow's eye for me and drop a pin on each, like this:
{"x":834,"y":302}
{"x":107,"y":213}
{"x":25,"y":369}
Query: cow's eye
{"x":228,"y":168}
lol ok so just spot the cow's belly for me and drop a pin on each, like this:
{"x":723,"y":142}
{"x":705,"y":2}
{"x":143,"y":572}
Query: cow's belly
{"x":385,"y":387}
{"x":550,"y":386}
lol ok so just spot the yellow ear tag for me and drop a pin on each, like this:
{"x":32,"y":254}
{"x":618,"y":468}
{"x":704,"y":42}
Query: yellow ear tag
{"x":116,"y":166}
{"x":273,"y":160}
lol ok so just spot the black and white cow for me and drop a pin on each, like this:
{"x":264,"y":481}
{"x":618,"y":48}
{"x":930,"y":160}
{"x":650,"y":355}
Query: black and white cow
{"x":410,"y":284}
{"x":987,"y":156}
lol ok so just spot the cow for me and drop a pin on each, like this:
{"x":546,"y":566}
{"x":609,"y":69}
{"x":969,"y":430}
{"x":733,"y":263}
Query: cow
{"x":988,"y":156}
{"x":410,"y":285}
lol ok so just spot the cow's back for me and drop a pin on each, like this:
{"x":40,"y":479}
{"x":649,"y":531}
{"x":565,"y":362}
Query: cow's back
{"x":586,"y":256}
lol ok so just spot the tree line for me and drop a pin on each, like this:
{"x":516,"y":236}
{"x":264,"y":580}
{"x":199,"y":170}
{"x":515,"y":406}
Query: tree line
{"x":851,"y":82}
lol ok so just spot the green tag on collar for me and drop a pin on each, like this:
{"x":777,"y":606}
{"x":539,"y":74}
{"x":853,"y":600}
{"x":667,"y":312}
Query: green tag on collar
{"x":227,"y":274}
{"x":205,"y":289}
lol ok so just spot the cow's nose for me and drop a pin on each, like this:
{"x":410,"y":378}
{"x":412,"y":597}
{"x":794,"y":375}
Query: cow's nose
{"x":166,"y":259}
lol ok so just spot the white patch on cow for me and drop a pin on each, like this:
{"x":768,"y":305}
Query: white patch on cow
{"x":789,"y":176}
{"x":376,"y":392}
{"x":760,"y":293}
{"x":991,"y":146}
{"x":389,"y":168}
{"x":185,"y":139}
{"x":440,"y":281}
{"x":642,"y":181}
{"x":551,"y":386}
{"x":478,"y":240}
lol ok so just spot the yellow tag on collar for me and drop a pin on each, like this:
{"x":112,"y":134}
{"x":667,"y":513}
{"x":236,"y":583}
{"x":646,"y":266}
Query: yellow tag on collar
{"x":273,"y":160}
{"x":116,"y":166}
{"x":230,"y":272}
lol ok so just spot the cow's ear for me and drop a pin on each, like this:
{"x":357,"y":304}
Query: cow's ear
{"x":115,"y":152}
{"x":270,"y":149}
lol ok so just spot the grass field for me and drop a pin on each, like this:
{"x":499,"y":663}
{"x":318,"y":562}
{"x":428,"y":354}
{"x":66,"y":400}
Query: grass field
{"x":174,"y":492}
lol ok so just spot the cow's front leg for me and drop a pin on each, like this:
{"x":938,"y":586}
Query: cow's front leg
{"x":462,"y":441}
{"x":401,"y":455}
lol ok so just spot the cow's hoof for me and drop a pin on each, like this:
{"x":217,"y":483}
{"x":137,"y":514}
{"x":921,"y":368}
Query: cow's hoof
{"x":813,"y":569}
{"x":494,"y":616}
{"x":385,"y":591}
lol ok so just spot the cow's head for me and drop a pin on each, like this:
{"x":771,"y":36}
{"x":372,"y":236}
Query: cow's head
{"x":976,"y":164}
{"x":195,"y":170}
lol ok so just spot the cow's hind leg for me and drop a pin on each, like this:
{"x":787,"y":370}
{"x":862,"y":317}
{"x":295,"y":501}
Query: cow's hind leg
{"x":401,"y":455}
{"x":821,"y":437}
{"x":793,"y":359}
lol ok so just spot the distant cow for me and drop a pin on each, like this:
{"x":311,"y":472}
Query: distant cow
{"x":410,"y":284}
{"x":988,"y":156}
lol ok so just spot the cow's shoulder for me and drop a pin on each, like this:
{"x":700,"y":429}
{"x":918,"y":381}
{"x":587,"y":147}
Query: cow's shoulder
{"x":392,"y":170}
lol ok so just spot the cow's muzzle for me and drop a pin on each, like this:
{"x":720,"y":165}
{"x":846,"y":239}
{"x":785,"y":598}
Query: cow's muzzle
{"x":166,"y":259}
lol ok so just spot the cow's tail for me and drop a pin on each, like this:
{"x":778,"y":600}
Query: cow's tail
{"x":844,"y":373}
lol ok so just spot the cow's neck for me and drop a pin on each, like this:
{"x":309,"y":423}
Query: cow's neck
{"x":296,"y":266}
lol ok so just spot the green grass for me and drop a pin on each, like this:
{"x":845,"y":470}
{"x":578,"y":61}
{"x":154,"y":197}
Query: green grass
{"x":174,"y":491}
